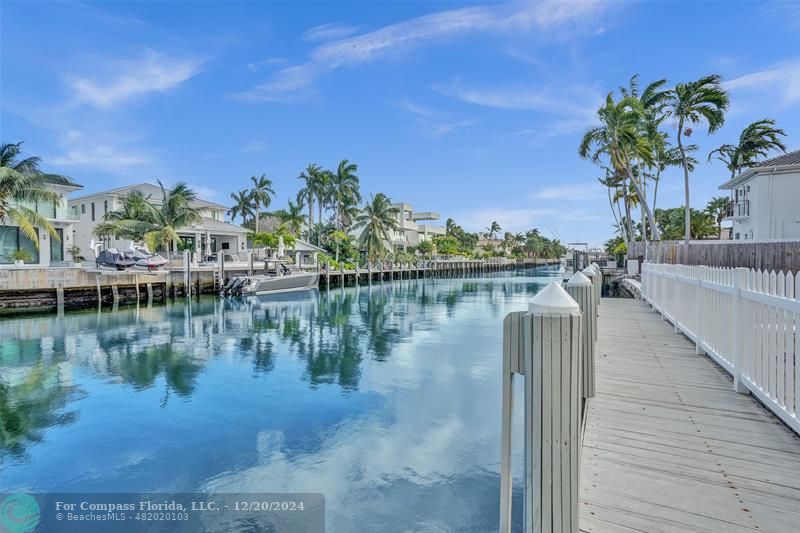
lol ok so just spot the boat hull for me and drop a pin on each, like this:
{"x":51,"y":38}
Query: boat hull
{"x":280,"y":284}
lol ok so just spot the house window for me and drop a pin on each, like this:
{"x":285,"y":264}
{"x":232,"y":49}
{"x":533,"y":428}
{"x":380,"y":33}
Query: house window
{"x":83,"y":209}
{"x":57,"y":246}
{"x":92,"y":211}
{"x":105,"y":206}
{"x":737,"y":236}
{"x":11,"y":240}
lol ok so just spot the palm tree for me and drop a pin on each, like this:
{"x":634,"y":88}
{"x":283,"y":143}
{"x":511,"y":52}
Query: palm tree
{"x":611,"y":184}
{"x":378,"y":219}
{"x":292,"y":217}
{"x":343,"y":191}
{"x":243,"y":205}
{"x":492,"y":230}
{"x":157,"y":223}
{"x":309,"y":194}
{"x":22,"y":182}
{"x":509,"y":240}
{"x":690,"y":103}
{"x":717,"y":208}
{"x":619,"y":139}
{"x":755,"y":141}
{"x":261,"y":194}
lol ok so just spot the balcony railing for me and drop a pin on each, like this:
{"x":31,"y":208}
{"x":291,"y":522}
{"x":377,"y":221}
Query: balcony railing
{"x":738,"y":209}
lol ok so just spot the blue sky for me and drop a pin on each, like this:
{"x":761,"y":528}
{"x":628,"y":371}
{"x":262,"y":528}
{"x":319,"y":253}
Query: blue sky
{"x":474,"y":110}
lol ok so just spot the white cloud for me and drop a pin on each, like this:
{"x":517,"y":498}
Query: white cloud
{"x":433,"y":122}
{"x":254,"y":147}
{"x":132,"y":78}
{"x":783,"y":79}
{"x":255,"y":66}
{"x":371,"y":46}
{"x":578,"y":191}
{"x":443,"y":129}
{"x":327,"y":32}
{"x":78,"y":150}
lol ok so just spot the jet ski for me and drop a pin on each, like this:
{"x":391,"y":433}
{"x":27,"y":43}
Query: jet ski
{"x":113,"y":259}
{"x":144,"y":260}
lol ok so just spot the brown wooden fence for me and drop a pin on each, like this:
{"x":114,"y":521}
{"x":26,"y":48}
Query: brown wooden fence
{"x":758,"y":255}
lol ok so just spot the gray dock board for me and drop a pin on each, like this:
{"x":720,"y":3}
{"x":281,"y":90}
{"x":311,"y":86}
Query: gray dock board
{"x":669,"y":446}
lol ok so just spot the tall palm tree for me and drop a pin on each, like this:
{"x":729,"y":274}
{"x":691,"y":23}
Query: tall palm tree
{"x":292,"y":217}
{"x":261,"y":195}
{"x":492,"y":230}
{"x":690,"y":103}
{"x":344,"y":191}
{"x":309,"y":194}
{"x":378,"y":219}
{"x":157,"y":222}
{"x":619,"y":139}
{"x":755,"y":141}
{"x":23,"y":182}
{"x":242,"y":206}
{"x":611,"y":184}
{"x":323,"y":191}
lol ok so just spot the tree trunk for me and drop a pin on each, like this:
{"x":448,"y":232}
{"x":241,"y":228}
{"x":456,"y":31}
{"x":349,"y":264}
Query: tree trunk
{"x":258,"y":218}
{"x":648,"y":212}
{"x":614,"y":213}
{"x":687,"y":209}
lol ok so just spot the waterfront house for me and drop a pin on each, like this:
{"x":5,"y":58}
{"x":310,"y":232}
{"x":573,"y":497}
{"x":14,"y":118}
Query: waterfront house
{"x":51,"y":251}
{"x":213,"y":233}
{"x":414,"y":227}
{"x":765,"y":200}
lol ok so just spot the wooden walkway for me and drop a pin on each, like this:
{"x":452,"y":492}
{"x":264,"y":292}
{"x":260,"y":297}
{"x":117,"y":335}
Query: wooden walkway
{"x":669,"y":446}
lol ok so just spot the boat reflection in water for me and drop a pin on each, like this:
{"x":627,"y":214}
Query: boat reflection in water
{"x":384,"y":399}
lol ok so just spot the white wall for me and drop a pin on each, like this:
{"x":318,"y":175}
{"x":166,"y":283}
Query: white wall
{"x":774,"y":208}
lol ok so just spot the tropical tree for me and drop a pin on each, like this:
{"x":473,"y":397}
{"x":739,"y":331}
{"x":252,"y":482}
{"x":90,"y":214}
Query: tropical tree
{"x":755,"y":141}
{"x":242,"y":206}
{"x":343,"y":192}
{"x":310,"y":192}
{"x":717,"y":208}
{"x":292,"y":217}
{"x":23,"y":182}
{"x":426,"y":248}
{"x":509,"y":241}
{"x":261,"y":194}
{"x":492,"y":230}
{"x":378,"y":219}
{"x":156,"y":223}
{"x":691,"y":103}
{"x":619,"y":140}
{"x":338,"y":237}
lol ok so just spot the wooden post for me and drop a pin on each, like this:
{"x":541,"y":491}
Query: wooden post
{"x":99,"y":293}
{"x":592,"y":275}
{"x":581,"y":290}
{"x":545,"y":347}
{"x":737,"y":330}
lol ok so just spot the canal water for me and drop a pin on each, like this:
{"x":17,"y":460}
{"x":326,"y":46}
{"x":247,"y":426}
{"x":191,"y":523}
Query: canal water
{"x":386,"y":399}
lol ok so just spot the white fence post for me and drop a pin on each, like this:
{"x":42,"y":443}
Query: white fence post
{"x":699,"y":310}
{"x":581,"y":290}
{"x":737,"y":353}
{"x":590,"y":273}
{"x":544,"y":345}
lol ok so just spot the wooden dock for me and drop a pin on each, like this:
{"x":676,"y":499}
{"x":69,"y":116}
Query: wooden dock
{"x":669,"y":446}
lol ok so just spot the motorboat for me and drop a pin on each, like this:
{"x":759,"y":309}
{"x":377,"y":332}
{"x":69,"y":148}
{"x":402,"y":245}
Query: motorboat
{"x":113,"y":259}
{"x":284,"y":280}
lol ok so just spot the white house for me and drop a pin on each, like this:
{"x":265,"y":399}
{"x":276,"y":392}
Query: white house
{"x":213,"y":233}
{"x":51,"y":251}
{"x":414,"y":227}
{"x":765,"y":200}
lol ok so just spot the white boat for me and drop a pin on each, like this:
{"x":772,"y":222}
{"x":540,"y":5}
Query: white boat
{"x":273,"y":284}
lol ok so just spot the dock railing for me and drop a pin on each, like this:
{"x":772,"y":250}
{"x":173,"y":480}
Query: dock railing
{"x":747,"y":321}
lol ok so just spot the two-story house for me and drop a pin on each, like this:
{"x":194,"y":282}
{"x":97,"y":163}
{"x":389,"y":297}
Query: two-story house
{"x":51,"y":251}
{"x":413,"y":227}
{"x":212,"y":234}
{"x":765,"y":200}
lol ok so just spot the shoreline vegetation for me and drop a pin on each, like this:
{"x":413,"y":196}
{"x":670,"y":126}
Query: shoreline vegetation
{"x":632,"y":147}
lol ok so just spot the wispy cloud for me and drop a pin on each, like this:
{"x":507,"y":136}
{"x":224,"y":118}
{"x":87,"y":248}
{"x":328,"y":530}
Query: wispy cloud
{"x":80,"y":151}
{"x":328,"y":32}
{"x":254,"y":147}
{"x":571,"y":192}
{"x":128,"y":79}
{"x":436,"y":27}
{"x":434,"y":123}
{"x":783,"y":79}
{"x":255,"y":66}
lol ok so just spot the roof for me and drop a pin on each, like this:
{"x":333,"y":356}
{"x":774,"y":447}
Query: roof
{"x":790,"y":159}
{"x":217,"y":225}
{"x":303,"y":246}
{"x":147,"y":189}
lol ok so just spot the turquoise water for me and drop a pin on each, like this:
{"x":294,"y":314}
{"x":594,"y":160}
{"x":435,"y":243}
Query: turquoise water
{"x":386,"y":399}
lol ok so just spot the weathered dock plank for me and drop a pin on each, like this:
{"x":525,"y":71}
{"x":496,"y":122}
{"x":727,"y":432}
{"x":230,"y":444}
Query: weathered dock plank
{"x":669,"y":446}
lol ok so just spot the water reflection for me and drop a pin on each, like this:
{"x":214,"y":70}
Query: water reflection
{"x":375,"y":396}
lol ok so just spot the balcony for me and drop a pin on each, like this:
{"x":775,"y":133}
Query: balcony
{"x":740,"y":209}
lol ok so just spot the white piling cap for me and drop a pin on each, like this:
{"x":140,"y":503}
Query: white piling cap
{"x":553,"y":300}
{"x":595,"y":265}
{"x":589,"y":271}
{"x":578,"y":279}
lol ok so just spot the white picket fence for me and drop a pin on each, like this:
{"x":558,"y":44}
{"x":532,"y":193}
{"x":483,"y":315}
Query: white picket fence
{"x":748,"y":321}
